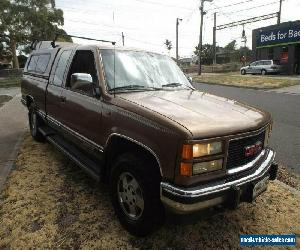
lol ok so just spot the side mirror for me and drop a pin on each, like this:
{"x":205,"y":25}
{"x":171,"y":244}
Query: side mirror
{"x":190,"y":79}
{"x":81,"y":78}
{"x":83,"y":82}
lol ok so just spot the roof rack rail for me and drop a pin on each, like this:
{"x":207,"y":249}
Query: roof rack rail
{"x":81,"y":37}
{"x":36,"y":44}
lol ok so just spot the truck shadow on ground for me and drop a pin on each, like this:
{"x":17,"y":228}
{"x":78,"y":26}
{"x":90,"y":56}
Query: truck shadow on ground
{"x":49,"y":202}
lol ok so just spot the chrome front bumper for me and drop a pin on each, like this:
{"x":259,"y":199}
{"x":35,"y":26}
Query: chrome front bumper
{"x":186,"y":200}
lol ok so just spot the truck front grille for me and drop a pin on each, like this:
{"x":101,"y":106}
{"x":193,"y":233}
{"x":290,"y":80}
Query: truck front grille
{"x":236,"y":150}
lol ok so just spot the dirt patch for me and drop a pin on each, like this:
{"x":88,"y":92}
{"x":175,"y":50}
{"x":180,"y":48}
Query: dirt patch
{"x":49,"y":203}
{"x":4,"y":99}
{"x":246,"y":81}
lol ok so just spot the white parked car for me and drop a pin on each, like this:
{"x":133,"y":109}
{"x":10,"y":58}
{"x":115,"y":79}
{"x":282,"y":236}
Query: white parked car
{"x":263,"y":67}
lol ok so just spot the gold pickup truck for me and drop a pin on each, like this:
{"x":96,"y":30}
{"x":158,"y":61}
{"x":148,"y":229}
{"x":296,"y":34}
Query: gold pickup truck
{"x":132,"y":118}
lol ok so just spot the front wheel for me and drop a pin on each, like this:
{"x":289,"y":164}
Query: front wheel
{"x":135,"y":194}
{"x":243,"y":72}
{"x":263,"y":72}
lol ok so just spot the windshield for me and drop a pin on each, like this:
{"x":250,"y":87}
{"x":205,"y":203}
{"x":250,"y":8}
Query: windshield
{"x":139,"y":70}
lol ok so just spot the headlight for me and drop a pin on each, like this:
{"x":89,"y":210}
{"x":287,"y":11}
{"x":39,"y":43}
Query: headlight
{"x":212,"y":148}
{"x":207,"y":166}
{"x":190,"y":152}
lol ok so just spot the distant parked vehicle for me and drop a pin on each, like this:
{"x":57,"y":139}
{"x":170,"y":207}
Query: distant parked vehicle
{"x":263,"y":67}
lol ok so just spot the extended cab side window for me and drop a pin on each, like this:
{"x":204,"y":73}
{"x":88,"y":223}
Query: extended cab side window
{"x":82,"y":76}
{"x":61,"y":67}
{"x":32,"y":64}
{"x":38,"y":63}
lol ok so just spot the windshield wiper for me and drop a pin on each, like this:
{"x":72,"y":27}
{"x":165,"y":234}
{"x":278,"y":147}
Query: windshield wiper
{"x":172,"y":84}
{"x":131,"y":87}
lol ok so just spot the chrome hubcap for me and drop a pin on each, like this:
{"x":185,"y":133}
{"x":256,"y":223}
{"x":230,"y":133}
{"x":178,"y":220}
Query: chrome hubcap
{"x":130,"y":196}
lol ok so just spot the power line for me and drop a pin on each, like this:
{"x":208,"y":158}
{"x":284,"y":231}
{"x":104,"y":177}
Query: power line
{"x":144,"y":42}
{"x":162,"y":4}
{"x":230,"y":5}
{"x":140,"y":1}
{"x":220,"y":12}
{"x":255,"y":7}
{"x":153,"y":44}
{"x":245,"y":21}
{"x":97,"y":24}
{"x":128,"y":30}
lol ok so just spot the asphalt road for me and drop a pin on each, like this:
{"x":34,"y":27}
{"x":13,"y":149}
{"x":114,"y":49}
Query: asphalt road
{"x":285,"y":109}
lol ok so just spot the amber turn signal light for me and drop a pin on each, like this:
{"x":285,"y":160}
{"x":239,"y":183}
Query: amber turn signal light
{"x":186,"y":169}
{"x":187,"y":152}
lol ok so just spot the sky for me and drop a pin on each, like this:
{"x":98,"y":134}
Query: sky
{"x":147,"y":24}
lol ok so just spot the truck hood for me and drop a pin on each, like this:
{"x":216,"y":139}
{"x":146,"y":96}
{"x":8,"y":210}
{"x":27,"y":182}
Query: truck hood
{"x":203,"y":115}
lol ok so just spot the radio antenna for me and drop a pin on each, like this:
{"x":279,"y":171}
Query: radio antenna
{"x":81,"y":37}
{"x":114,"y":70}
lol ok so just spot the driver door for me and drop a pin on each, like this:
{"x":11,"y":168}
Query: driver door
{"x":252,"y":68}
{"x":81,"y":106}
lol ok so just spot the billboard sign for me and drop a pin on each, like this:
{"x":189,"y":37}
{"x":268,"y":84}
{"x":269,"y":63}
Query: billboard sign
{"x":279,"y":36}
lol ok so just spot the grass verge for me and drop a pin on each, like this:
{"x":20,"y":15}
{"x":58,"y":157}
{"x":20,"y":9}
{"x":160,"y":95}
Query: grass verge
{"x":48,"y":203}
{"x":246,"y":81}
{"x":7,"y":82}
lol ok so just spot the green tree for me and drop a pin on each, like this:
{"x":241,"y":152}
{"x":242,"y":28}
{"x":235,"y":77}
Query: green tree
{"x":22,"y":21}
{"x":230,"y":46}
{"x":207,"y":54}
{"x":169,"y":45}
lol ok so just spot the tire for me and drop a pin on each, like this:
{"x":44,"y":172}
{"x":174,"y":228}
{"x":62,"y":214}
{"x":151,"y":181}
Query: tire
{"x":243,"y":72}
{"x":263,"y":72}
{"x":135,"y":194}
{"x":34,"y":124}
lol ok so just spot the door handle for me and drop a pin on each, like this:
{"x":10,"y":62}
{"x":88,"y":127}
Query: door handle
{"x":62,"y":99}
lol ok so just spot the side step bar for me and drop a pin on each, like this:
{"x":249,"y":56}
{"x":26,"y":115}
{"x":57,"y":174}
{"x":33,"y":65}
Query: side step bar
{"x":72,"y":152}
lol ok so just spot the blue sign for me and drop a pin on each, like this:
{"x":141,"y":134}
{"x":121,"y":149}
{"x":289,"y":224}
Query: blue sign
{"x":277,"y":36}
{"x":268,"y":240}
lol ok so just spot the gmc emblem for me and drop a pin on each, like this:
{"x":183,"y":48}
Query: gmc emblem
{"x":253,"y":149}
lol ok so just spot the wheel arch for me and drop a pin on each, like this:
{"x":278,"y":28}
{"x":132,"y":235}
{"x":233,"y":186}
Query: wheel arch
{"x":264,"y":70}
{"x":117,"y":144}
{"x":29,"y":100}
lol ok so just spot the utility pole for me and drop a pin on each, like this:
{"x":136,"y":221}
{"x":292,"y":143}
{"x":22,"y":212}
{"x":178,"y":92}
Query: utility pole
{"x":202,"y":13}
{"x":279,"y":13}
{"x":177,"y":23}
{"x":123,"y":38}
{"x":244,"y":37}
{"x":214,"y":39}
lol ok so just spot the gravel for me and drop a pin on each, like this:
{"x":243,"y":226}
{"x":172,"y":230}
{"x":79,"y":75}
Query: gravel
{"x":289,"y":178}
{"x":50,"y":203}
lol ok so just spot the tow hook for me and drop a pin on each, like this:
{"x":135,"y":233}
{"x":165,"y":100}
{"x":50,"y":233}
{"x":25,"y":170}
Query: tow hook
{"x":273,"y":171}
{"x":234,"y":197}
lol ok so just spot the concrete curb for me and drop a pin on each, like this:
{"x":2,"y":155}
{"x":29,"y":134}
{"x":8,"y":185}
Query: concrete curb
{"x":9,"y":164}
{"x":291,"y":189}
{"x":12,"y":129}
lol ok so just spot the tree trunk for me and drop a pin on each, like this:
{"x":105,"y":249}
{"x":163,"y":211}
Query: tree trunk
{"x":13,"y":46}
